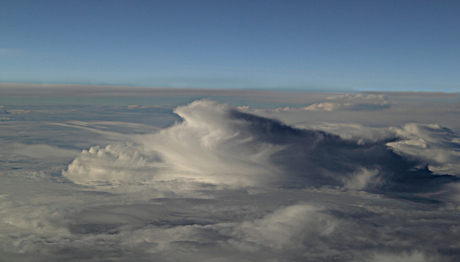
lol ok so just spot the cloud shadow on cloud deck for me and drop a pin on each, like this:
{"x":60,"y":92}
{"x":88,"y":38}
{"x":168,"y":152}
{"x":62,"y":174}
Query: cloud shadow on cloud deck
{"x":312,"y":158}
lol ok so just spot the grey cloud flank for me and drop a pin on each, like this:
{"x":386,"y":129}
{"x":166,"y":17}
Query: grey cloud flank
{"x":315,"y":158}
{"x":224,"y":185}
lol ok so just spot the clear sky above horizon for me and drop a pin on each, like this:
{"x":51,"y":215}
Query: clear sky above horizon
{"x":309,"y":45}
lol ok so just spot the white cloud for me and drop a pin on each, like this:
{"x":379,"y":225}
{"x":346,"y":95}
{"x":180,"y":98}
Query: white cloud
{"x":113,"y":165}
{"x":339,"y":102}
{"x":361,"y":179}
{"x":286,"y":228}
{"x":205,"y":147}
{"x":432,"y":144}
{"x":223,"y":185}
{"x":326,"y":106}
{"x":377,"y":97}
{"x":215,"y":144}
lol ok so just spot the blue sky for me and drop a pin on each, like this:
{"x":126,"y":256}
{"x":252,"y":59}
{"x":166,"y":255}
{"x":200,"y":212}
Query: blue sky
{"x":309,"y":45}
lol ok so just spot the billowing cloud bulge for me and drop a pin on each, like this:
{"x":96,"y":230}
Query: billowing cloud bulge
{"x":225,"y":185}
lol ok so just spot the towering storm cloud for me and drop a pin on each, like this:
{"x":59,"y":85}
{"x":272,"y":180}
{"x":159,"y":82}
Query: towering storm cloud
{"x":225,"y":185}
{"x":220,"y":146}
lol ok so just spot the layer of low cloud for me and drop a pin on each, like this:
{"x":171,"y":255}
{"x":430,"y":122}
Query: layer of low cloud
{"x":226,"y":185}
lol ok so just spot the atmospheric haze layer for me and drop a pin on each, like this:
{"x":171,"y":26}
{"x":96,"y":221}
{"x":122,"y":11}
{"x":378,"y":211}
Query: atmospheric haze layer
{"x":230,"y":176}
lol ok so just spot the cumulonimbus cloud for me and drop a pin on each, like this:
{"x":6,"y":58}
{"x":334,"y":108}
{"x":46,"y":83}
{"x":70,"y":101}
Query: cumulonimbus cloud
{"x":224,"y":185}
{"x":208,"y":146}
{"x":219,"y":145}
